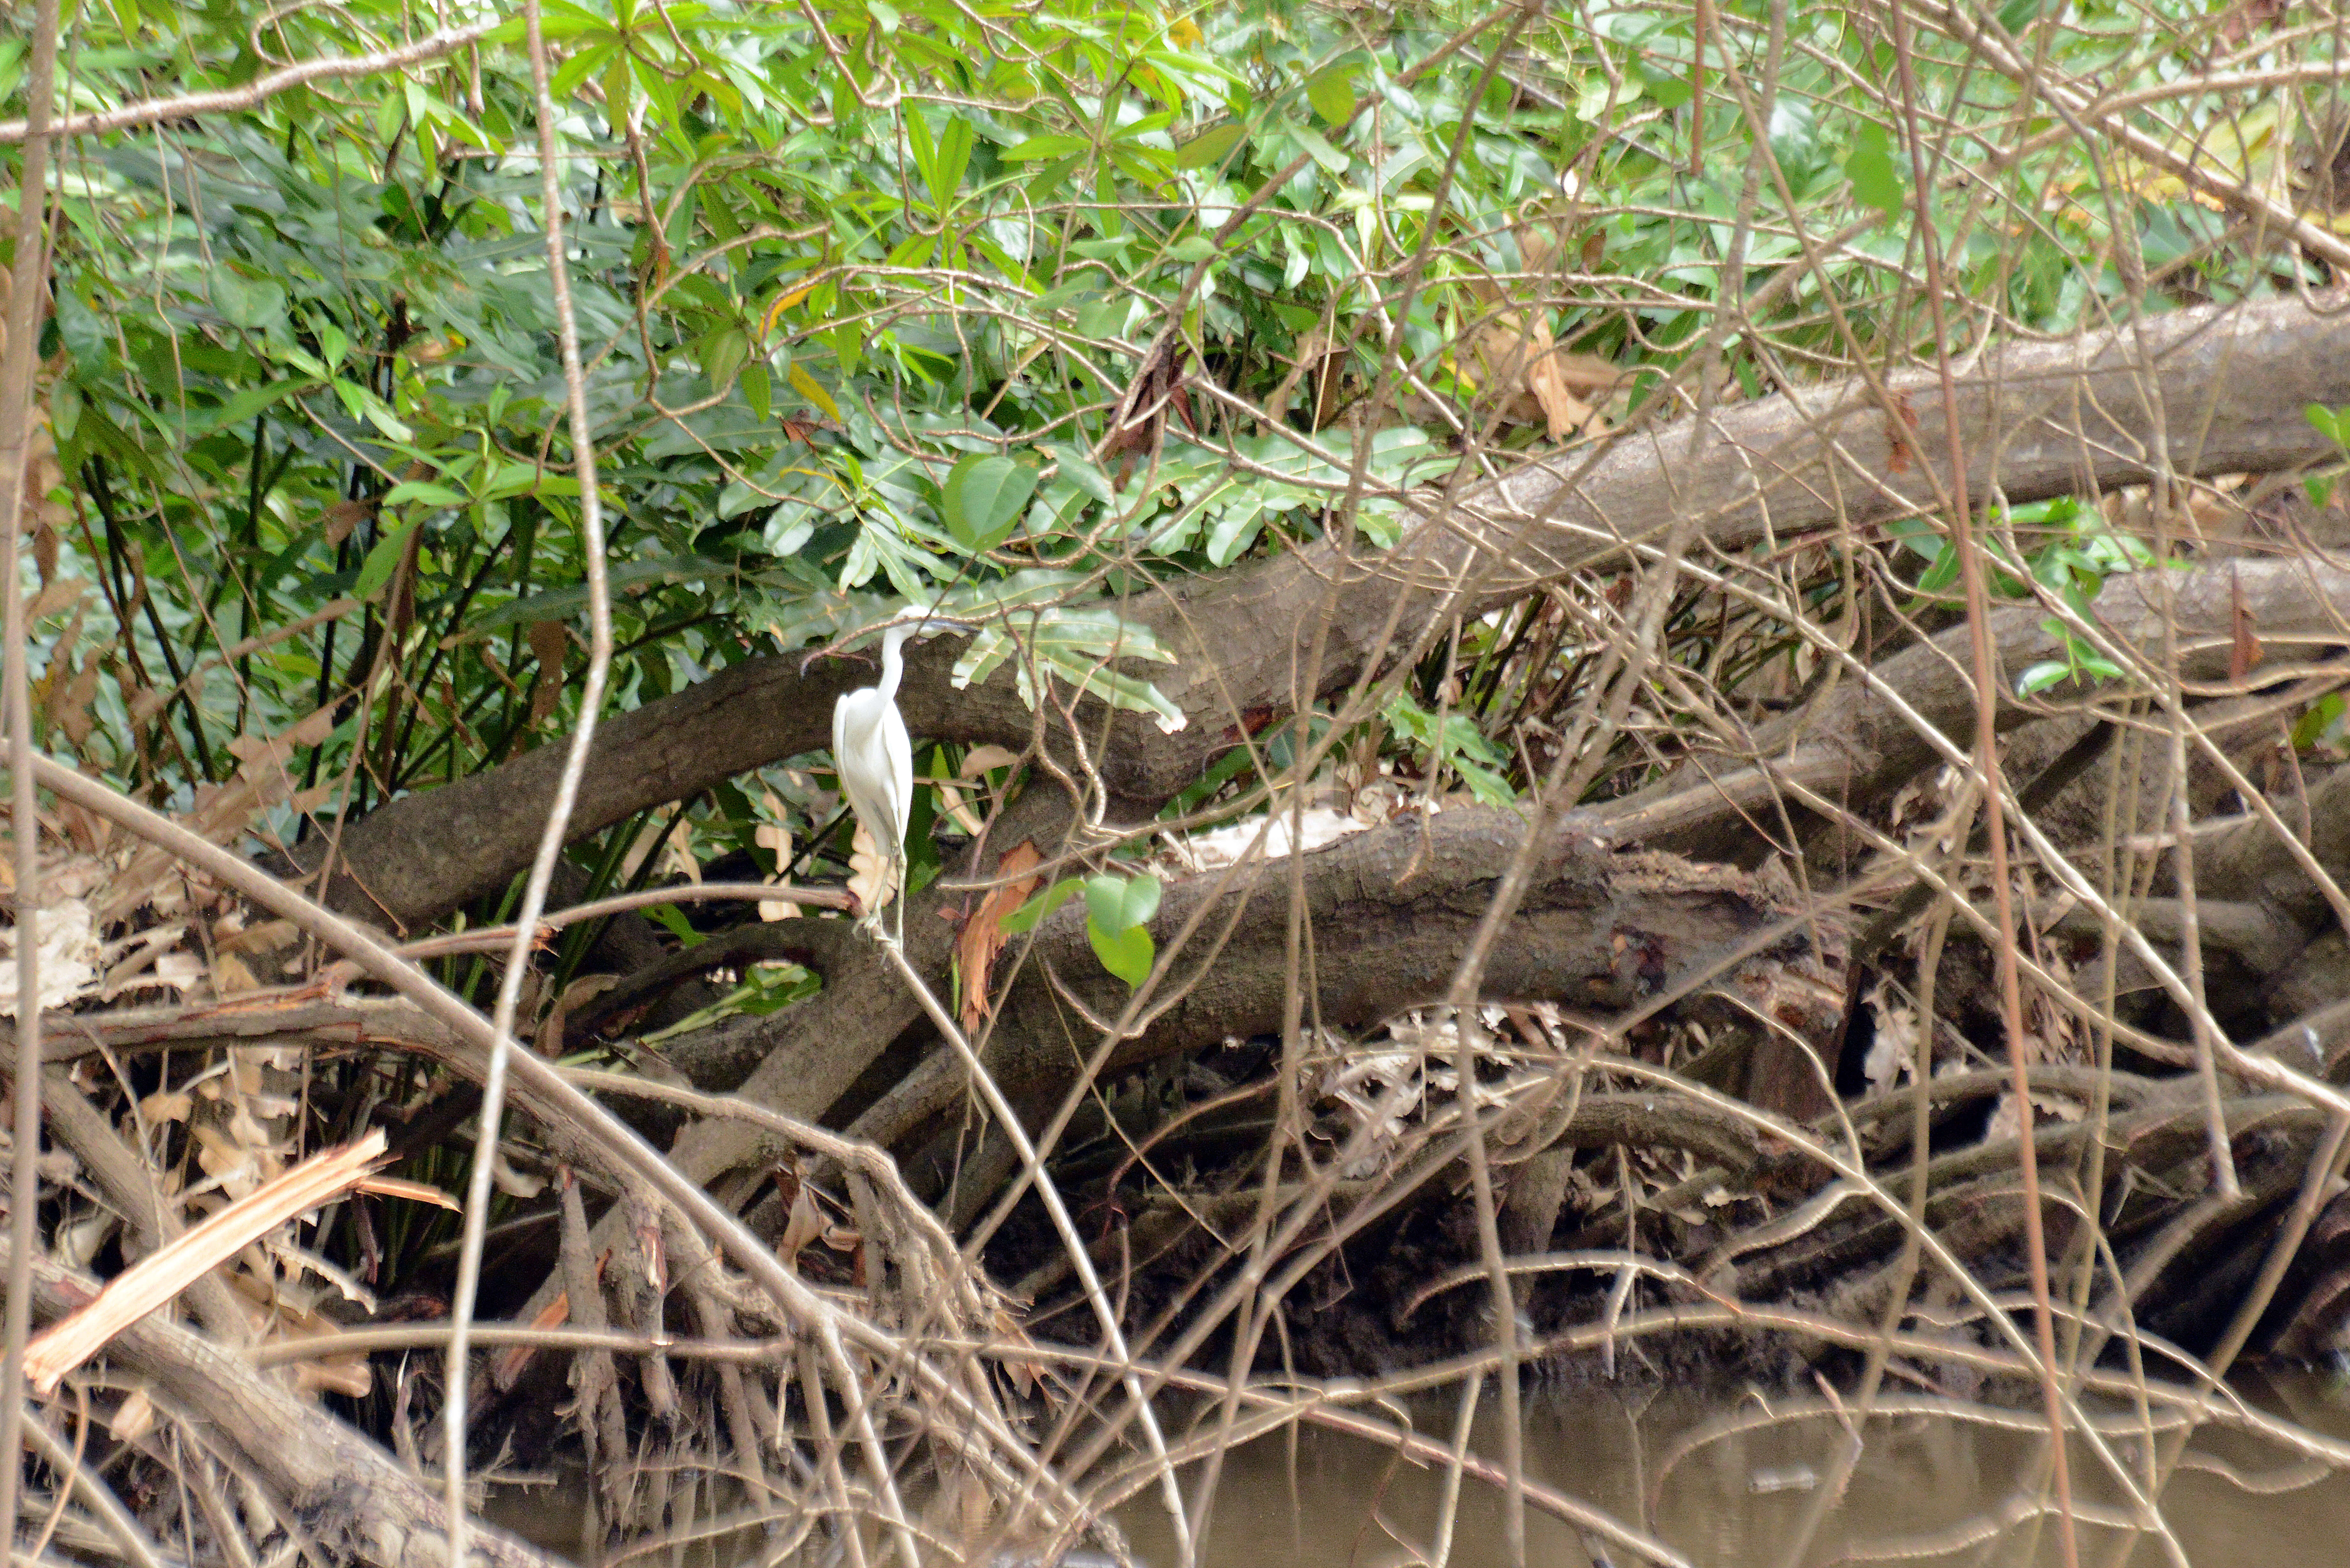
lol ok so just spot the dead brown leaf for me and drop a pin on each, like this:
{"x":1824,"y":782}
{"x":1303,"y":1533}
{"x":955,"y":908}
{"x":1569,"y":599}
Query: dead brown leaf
{"x":508,"y":1368}
{"x":982,"y":934}
{"x":549,"y":641}
{"x":2244,"y":650}
{"x":343,"y":516}
{"x":548,"y":1042}
{"x":805,"y":1224}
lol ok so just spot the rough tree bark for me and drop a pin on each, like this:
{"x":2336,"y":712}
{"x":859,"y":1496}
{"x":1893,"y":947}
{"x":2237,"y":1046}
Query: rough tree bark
{"x":2227,"y":384}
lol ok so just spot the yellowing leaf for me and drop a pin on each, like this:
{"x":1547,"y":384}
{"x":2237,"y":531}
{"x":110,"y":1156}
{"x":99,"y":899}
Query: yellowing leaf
{"x":807,"y":386}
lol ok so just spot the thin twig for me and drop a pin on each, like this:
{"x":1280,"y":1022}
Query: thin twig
{"x":567,"y":790}
{"x":29,"y":283}
{"x":1113,"y":1337}
{"x":1992,"y":789}
{"x":228,"y":101}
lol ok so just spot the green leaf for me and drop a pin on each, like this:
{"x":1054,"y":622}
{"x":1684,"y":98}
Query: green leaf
{"x":982,"y":498}
{"x":1210,"y":146}
{"x":671,"y":917}
{"x":1333,"y":162}
{"x":723,"y":353}
{"x":2040,"y":677}
{"x":1025,"y":917}
{"x":1121,"y":903}
{"x":2322,"y":715}
{"x":1128,"y":954}
{"x":1037,"y":149}
{"x":1331,"y":91}
{"x":244,"y":303}
{"x":425,"y":491}
{"x":240,"y":409}
{"x":383,"y":560}
{"x":1875,"y":181}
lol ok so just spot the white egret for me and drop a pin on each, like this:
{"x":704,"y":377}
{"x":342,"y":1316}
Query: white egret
{"x":876,"y":757}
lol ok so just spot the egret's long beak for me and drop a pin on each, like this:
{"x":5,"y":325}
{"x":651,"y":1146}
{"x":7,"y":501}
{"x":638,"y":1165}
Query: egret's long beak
{"x":829,"y":650}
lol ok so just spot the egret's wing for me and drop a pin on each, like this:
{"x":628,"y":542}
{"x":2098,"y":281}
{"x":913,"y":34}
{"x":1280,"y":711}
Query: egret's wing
{"x":898,"y":751}
{"x":857,"y":755}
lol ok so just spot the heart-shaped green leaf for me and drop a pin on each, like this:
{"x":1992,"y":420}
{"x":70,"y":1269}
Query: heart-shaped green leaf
{"x":1127,"y":954}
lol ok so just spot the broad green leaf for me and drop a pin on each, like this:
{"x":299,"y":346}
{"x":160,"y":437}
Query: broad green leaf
{"x":1037,"y":149}
{"x":1072,"y":644}
{"x":982,"y":498}
{"x":241,"y":409}
{"x":2322,"y":715}
{"x":632,"y":576}
{"x":383,"y":560}
{"x":1331,"y":91}
{"x":247,"y":303}
{"x":1332,"y":161}
{"x":1128,"y":954}
{"x":1875,"y":181}
{"x":423,"y":489}
{"x":1211,"y":146}
{"x":2040,"y":677}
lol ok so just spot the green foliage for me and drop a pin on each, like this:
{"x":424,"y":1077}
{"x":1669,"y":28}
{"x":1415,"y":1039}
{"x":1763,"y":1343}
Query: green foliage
{"x":1042,"y":905}
{"x":860,"y":288}
{"x":1456,"y":746}
{"x":1118,"y":912}
{"x":1117,"y":917}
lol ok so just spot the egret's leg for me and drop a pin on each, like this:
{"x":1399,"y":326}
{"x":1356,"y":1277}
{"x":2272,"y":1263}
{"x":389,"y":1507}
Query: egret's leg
{"x":905,"y":874}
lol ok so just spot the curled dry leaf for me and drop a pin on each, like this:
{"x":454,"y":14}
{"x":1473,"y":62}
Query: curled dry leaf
{"x":133,"y":1418}
{"x":512,"y":1183}
{"x":549,"y":641}
{"x":67,"y":942}
{"x":224,"y":813}
{"x":777,"y":840}
{"x":508,"y":1366}
{"x":414,"y":1191}
{"x":954,"y":797}
{"x":805,"y":1224}
{"x":872,"y":880}
{"x":548,"y":1041}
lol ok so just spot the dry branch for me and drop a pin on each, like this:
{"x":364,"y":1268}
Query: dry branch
{"x":1872,"y":732}
{"x":229,"y":101}
{"x":347,"y":1494}
{"x":165,"y":1272}
{"x":2228,"y":384}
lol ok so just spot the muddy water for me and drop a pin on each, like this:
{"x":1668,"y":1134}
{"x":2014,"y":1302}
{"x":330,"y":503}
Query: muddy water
{"x":1725,"y":1479}
{"x":1926,"y":1490}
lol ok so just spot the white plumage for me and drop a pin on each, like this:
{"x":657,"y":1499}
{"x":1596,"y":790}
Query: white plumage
{"x":875,"y":760}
